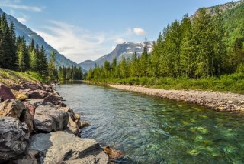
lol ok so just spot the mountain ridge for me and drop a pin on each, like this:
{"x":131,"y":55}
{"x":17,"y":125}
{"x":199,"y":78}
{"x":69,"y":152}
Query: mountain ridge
{"x":125,"y":49}
{"x":23,"y":30}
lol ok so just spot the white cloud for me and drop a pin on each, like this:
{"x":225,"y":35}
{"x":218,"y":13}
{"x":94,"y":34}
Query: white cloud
{"x":22,"y":20}
{"x":119,"y":40}
{"x":139,"y":31}
{"x":15,"y":4}
{"x":75,"y":43}
{"x":80,"y":44}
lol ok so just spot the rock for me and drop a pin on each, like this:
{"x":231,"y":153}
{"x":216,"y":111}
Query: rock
{"x":113,"y":154}
{"x":73,"y":126}
{"x":11,"y":108}
{"x":31,"y":86}
{"x":74,"y":120}
{"x":5,"y":92}
{"x":55,"y":100}
{"x":13,"y":138}
{"x":37,"y":94}
{"x":31,"y":108}
{"x":35,"y":102}
{"x":48,"y":118}
{"x":48,"y":88}
{"x":16,"y":87}
{"x":59,"y":147}
{"x":28,"y":119}
{"x":32,"y":104}
{"x":84,"y":124}
{"x":20,"y":95}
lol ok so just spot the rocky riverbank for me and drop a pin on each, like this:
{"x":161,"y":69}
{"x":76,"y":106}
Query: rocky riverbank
{"x":37,"y":127}
{"x":227,"y":102}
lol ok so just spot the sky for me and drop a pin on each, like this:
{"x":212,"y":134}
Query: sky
{"x":89,"y":29}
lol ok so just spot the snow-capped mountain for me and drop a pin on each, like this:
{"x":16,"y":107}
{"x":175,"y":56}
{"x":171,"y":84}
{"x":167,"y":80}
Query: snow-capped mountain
{"x":122,"y":50}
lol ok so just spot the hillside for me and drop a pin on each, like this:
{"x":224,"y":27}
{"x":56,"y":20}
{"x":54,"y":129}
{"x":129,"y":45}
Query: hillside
{"x":22,"y":30}
{"x":122,"y":50}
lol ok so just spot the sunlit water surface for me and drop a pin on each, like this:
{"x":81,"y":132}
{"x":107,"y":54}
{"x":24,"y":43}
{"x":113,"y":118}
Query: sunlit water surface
{"x":153,"y":131}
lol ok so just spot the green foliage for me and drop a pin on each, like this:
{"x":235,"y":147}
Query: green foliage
{"x":195,"y":53}
{"x":15,"y":54}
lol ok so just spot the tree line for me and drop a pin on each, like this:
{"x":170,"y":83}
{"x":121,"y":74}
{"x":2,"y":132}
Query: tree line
{"x":16,"y":55}
{"x":192,"y":48}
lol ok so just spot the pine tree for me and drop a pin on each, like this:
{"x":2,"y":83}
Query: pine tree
{"x":52,"y":66}
{"x":202,"y":35}
{"x":6,"y":44}
{"x":187,"y":56}
{"x":14,"y":56}
{"x":42,"y":64}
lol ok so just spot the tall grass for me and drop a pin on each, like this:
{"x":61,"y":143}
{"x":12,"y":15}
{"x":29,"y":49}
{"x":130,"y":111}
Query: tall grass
{"x":225,"y":83}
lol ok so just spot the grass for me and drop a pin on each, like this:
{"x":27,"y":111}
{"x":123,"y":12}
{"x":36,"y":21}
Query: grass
{"x":11,"y":77}
{"x":226,"y":83}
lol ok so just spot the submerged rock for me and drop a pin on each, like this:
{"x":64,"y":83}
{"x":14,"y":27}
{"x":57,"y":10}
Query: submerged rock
{"x":113,"y":154}
{"x":13,"y":138}
{"x":62,"y":147}
{"x":48,"y":118}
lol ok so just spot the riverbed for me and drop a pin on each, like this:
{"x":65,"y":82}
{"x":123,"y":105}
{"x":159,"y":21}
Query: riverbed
{"x":153,"y":130}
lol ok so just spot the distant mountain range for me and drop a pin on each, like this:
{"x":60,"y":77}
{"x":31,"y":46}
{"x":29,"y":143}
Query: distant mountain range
{"x":122,"y":50}
{"x":22,"y":30}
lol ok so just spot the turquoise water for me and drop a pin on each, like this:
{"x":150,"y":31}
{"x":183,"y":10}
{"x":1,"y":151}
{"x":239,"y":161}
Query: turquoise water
{"x":153,"y":131}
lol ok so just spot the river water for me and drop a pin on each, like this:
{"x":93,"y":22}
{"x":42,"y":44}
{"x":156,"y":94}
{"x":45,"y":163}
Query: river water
{"x":153,"y":131}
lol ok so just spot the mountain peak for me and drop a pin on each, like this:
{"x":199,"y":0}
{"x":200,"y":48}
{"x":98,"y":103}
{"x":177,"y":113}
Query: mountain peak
{"x":125,"y":49}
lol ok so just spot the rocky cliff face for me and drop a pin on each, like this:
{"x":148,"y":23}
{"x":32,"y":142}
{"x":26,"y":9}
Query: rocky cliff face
{"x":222,"y":8}
{"x":22,"y":30}
{"x":122,"y":50}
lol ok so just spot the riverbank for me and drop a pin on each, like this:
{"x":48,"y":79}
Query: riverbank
{"x":227,"y":102}
{"x":36,"y":126}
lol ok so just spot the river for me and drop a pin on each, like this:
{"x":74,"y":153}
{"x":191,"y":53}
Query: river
{"x":152,"y":130}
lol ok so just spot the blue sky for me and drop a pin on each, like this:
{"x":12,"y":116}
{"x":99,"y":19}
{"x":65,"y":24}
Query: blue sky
{"x":88,"y":29}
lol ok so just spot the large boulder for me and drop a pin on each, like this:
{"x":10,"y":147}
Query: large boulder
{"x":63,"y":147}
{"x":5,"y":92}
{"x":74,"y":124}
{"x":16,"y":109}
{"x":48,"y":118}
{"x":13,"y":138}
{"x":11,"y":108}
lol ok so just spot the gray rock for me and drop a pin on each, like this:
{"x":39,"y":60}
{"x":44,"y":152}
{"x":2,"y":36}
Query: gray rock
{"x":13,"y":138}
{"x":48,"y":118}
{"x":60,"y":147}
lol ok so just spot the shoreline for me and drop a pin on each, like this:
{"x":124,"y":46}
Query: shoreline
{"x":32,"y":113}
{"x":219,"y":101}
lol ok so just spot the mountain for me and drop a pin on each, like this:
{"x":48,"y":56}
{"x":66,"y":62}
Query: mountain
{"x":122,"y":50}
{"x":222,"y":8}
{"x":22,"y":30}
